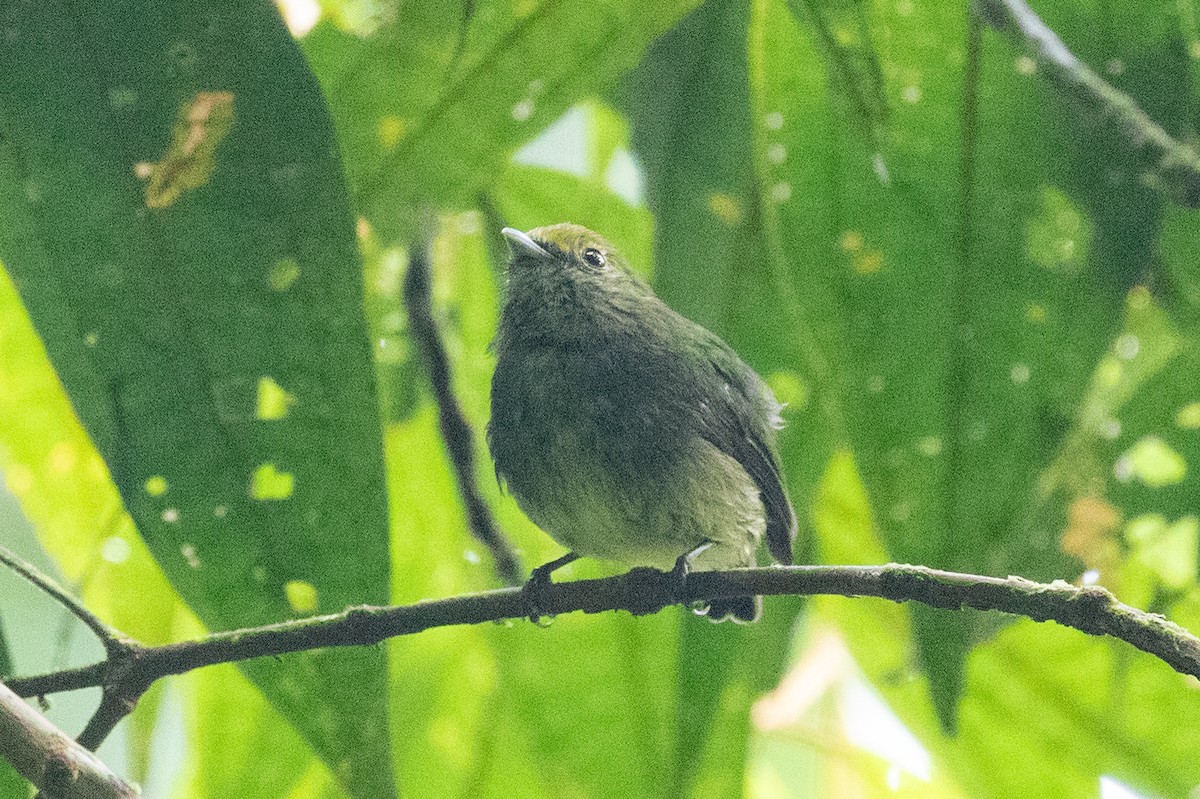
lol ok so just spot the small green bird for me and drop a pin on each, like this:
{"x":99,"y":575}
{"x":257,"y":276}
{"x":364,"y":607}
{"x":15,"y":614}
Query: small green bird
{"x":624,"y":430}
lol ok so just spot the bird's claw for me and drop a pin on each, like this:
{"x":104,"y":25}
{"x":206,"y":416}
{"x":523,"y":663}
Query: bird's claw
{"x":679,"y":577}
{"x":531,"y":595}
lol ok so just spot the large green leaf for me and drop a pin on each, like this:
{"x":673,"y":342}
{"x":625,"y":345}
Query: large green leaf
{"x":974,"y":301}
{"x":689,"y":110}
{"x":207,"y":325}
{"x":432,"y":103}
{"x":241,"y":746}
{"x":1042,"y":705}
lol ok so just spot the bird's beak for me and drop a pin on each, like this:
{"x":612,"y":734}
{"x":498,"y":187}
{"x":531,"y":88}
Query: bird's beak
{"x":520,"y":244}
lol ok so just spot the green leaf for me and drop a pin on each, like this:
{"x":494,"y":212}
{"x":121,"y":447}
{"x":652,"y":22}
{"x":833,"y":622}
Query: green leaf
{"x":429,"y":108}
{"x":170,"y":308}
{"x":1032,"y":689}
{"x":1081,"y":687}
{"x":954,"y":409}
{"x":528,"y":197}
{"x":689,"y":110}
{"x":274,"y":761}
{"x":12,"y":784}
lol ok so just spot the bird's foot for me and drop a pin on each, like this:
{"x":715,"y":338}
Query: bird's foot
{"x":679,"y":576}
{"x":533,"y":592}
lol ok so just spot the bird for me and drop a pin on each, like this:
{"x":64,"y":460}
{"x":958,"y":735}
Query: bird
{"x":626,"y":431}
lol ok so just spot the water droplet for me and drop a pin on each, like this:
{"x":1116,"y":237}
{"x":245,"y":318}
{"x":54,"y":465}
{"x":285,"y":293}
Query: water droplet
{"x":902,"y":512}
{"x":1020,"y":373}
{"x":781,"y":192}
{"x":115,"y":549}
{"x":911,"y":94}
{"x":725,"y":207}
{"x":220,"y":511}
{"x":904,"y":8}
{"x":977,"y":431}
{"x":1025,"y":65}
{"x":776,"y":153}
{"x":33,"y":191}
{"x":189,"y":554}
{"x":773,"y":120}
{"x":867,"y":262}
{"x":1110,"y":429}
{"x":876,"y":384}
{"x":851,"y":241}
{"x":930,"y":446}
{"x":1090,"y":577}
{"x":91,"y":339}
{"x":122,"y":97}
{"x":881,"y":170}
{"x":156,"y":486}
{"x":170,"y":515}
{"x":1114,"y":67}
{"x":1128,"y":346}
{"x":283,"y":274}
{"x":544,"y":620}
{"x":535,"y":86}
{"x":523,"y":110}
{"x":471,"y":556}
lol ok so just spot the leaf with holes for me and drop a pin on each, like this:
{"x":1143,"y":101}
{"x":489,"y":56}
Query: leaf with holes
{"x":177,"y":225}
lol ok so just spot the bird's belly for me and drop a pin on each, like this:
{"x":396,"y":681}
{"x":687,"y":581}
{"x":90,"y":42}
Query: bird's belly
{"x":643,"y":506}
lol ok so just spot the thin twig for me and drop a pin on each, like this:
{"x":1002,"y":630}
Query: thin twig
{"x":117,"y":700}
{"x":456,"y":430}
{"x":108,"y":636}
{"x":1173,"y":167}
{"x":48,"y":758}
{"x":1092,"y":610}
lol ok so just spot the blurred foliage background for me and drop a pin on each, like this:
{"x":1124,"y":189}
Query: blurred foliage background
{"x":978,"y":304}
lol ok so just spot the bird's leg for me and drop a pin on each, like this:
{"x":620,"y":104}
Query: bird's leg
{"x":537,"y":582}
{"x":683,"y":566}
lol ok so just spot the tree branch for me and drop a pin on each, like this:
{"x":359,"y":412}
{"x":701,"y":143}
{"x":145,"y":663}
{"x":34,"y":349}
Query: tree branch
{"x":46,"y":756}
{"x":116,"y":702}
{"x":456,"y":430}
{"x":1173,"y":167}
{"x":108,"y":636}
{"x":1092,"y":610}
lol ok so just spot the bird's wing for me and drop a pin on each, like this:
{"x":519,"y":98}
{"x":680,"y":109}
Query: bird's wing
{"x":745,"y":432}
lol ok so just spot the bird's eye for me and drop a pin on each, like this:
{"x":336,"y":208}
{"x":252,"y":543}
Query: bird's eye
{"x":593,"y":257}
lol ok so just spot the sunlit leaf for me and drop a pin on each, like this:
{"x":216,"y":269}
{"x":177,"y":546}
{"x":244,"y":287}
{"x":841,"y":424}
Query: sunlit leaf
{"x":160,"y":314}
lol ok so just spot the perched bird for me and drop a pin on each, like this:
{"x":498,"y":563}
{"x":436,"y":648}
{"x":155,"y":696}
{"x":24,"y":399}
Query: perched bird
{"x":624,"y":430}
